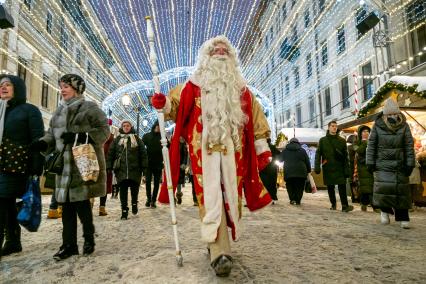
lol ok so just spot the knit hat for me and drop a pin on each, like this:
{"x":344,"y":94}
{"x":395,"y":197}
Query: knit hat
{"x":126,"y":120}
{"x":391,"y":107}
{"x":75,"y":81}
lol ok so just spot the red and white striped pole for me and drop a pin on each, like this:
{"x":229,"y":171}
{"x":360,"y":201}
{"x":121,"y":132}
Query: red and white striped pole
{"x":355,"y":76}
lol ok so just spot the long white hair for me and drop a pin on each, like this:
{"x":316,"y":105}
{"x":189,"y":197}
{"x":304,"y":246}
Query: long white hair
{"x":221,"y":83}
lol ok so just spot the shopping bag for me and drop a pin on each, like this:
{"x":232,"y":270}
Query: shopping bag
{"x":86,"y":160}
{"x":312,"y":183}
{"x":30,"y":214}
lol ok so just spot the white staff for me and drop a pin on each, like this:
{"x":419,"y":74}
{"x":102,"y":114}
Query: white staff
{"x":154,"y":68}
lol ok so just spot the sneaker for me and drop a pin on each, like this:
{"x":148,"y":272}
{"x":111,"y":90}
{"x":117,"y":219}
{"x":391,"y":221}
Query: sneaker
{"x":347,"y":208}
{"x":405,"y":224}
{"x":384,"y":218}
{"x":135,"y":209}
{"x":65,"y":252}
{"x":53,"y":214}
{"x":364,"y":208}
{"x":102,"y":211}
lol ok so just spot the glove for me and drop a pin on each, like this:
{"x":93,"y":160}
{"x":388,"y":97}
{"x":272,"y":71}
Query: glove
{"x":371,"y":168}
{"x":263,"y":160}
{"x":408,"y":170}
{"x":38,"y":146}
{"x":158,"y":100}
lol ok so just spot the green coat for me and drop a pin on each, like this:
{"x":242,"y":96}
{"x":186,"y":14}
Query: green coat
{"x":365,"y":178}
{"x":332,"y":154}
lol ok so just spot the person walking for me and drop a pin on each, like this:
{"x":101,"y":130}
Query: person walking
{"x":270,"y":174}
{"x":20,"y":125}
{"x":74,"y":118}
{"x":351,"y":142}
{"x":296,"y":169}
{"x":390,"y":155}
{"x":362,"y":176}
{"x":129,"y":156}
{"x":152,"y":141}
{"x":332,"y":157}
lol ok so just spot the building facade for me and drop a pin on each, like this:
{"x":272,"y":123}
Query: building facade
{"x":316,"y":59}
{"x":53,"y":38}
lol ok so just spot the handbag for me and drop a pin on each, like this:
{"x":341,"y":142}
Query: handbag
{"x":13,"y":158}
{"x":86,"y":160}
{"x":30,"y":214}
{"x":54,"y":162}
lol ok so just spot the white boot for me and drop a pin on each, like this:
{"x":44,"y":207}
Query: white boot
{"x":384,"y":218}
{"x":405,"y":224}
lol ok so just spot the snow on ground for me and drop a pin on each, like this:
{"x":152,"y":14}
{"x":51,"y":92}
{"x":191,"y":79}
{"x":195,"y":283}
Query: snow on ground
{"x":280,"y":244}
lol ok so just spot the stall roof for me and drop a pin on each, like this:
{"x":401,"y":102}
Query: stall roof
{"x":304,"y":135}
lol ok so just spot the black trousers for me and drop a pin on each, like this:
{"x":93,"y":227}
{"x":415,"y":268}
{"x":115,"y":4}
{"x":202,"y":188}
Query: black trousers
{"x":194,"y":196}
{"x":295,"y":188}
{"x":134,"y":192}
{"x":367,"y":199}
{"x":8,"y":221}
{"x":400,"y":214}
{"x":102,"y":200}
{"x":342,"y":194}
{"x":152,"y":196}
{"x":70,"y":210}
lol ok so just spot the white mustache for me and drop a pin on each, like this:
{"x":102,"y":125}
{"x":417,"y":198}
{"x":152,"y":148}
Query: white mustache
{"x":220,"y":57}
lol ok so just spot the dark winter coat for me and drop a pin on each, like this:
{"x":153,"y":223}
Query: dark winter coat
{"x":365,"y":178}
{"x":152,"y":141}
{"x":23,"y":125}
{"x":296,"y":161}
{"x":390,"y":152}
{"x":133,"y":161}
{"x":332,"y":154}
{"x":270,"y":173}
{"x":82,"y":116}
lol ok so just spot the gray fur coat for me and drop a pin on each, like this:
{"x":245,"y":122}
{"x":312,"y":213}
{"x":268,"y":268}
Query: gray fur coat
{"x":76,"y":116}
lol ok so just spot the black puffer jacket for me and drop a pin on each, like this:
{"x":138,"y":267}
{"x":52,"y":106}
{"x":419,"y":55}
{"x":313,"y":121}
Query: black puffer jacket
{"x":390,"y":152}
{"x":133,"y":161}
{"x":152,"y":141}
{"x":23,"y":125}
{"x":365,"y":178}
{"x":296,"y":161}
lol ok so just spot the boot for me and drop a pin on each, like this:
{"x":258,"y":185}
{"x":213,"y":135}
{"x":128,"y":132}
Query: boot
{"x":53,"y":214}
{"x":12,"y":243}
{"x":135,"y":208}
{"x":222,"y":265}
{"x":65,"y":251}
{"x":179,"y":197}
{"x":153,"y":205}
{"x":124,"y":213}
{"x":89,"y":246}
{"x":347,"y":208}
{"x":102,"y":211}
{"x":147,"y":203}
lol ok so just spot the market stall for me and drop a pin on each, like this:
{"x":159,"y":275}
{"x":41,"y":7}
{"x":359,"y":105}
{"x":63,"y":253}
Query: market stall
{"x":410,"y":94}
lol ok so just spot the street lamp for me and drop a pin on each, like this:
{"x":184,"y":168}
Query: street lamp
{"x":126,"y":101}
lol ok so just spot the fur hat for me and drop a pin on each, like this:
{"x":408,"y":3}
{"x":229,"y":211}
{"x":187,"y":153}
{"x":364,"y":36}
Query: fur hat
{"x":391,"y":107}
{"x":75,"y":81}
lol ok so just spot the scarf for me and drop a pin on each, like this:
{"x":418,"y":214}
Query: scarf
{"x":123,"y":140}
{"x":3,"y":106}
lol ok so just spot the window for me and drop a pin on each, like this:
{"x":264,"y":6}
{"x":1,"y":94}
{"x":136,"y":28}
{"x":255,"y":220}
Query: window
{"x":45,"y":91}
{"x":49,"y":22}
{"x":341,"y":44}
{"x":28,"y":4}
{"x":273,"y":63}
{"x":293,"y":2}
{"x":271,"y":35}
{"x":367,"y":84}
{"x":287,"y":117}
{"x":274,"y":99}
{"x":299,"y":115}
{"x":416,"y":16}
{"x":283,"y":12}
{"x":89,"y":68}
{"x":416,"y":13}
{"x":22,"y":70}
{"x":78,"y":56}
{"x":287,"y":85}
{"x":307,"y":18}
{"x":311,"y":109}
{"x":64,"y":37}
{"x":361,"y":14}
{"x":296,"y":77}
{"x":344,"y":90}
{"x":327,"y":101}
{"x":60,"y":62}
{"x":294,"y":36}
{"x":324,"y":53}
{"x":321,"y":5}
{"x":308,"y":66}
